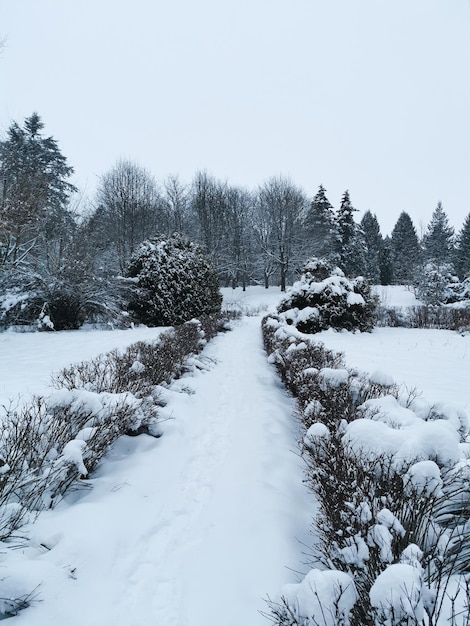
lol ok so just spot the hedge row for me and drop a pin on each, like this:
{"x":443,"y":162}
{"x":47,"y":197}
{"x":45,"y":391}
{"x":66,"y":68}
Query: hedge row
{"x":386,"y":510}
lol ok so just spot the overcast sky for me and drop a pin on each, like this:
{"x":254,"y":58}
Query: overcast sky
{"x":367,"y":95}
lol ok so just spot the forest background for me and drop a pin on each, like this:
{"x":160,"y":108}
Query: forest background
{"x":61,"y":254}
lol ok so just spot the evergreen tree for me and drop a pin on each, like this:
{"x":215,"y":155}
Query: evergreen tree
{"x":462,"y":251}
{"x":320,"y":227}
{"x":374,"y":244}
{"x":438,"y":241}
{"x":34,"y":194}
{"x":175,"y":281}
{"x":350,"y":241}
{"x":386,"y":262}
{"x":406,"y":251}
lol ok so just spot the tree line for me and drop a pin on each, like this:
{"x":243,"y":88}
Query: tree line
{"x":259,"y":236}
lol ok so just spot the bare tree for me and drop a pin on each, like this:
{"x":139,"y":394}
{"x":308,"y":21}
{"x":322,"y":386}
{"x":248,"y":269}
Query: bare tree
{"x":239,"y":240}
{"x":177,"y":200}
{"x":209,"y":205}
{"x":131,"y":207}
{"x":279,"y":209}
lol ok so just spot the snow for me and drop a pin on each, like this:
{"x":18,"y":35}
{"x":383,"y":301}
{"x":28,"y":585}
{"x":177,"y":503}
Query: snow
{"x":370,"y":440}
{"x":424,"y":477}
{"x":28,"y":360}
{"x":73,"y":453}
{"x":355,"y":298}
{"x":435,"y":363}
{"x":199,"y":526}
{"x":196,"y":527}
{"x":332,"y":378}
{"x":396,"y":295}
{"x":330,"y":594}
{"x":398,"y":594}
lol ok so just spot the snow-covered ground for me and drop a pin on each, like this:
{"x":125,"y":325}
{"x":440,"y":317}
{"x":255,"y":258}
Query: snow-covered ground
{"x":197,"y":527}
{"x":27,"y":360}
{"x":434,"y":362}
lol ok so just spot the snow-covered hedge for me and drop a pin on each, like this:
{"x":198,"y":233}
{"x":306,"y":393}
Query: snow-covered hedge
{"x":447,"y":317}
{"x":324,"y":298}
{"x":175,"y":282}
{"x":54,"y":442}
{"x":391,"y":476}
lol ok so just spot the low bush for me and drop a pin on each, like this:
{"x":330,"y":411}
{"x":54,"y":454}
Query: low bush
{"x":53,"y":443}
{"x":32,"y":302}
{"x":324,"y":298}
{"x":425,"y":316}
{"x":394,"y":503}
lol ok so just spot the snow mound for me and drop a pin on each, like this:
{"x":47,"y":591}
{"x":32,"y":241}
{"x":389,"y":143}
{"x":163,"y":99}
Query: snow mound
{"x":399,"y":595}
{"x":330,"y":593}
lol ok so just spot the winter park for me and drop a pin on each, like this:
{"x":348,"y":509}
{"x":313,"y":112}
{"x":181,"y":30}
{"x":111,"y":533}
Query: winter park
{"x":237,"y":394}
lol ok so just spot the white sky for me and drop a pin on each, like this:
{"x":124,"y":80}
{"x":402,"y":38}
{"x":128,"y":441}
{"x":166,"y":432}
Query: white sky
{"x":369,"y":95}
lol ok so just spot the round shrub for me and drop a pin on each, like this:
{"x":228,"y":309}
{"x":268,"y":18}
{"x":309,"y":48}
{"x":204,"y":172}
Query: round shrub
{"x":175,"y":282}
{"x":324,"y":298}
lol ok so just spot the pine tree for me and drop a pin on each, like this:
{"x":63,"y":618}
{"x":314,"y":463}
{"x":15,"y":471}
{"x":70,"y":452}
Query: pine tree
{"x":406,"y":251}
{"x":319,"y":227}
{"x":374,"y":244}
{"x":438,"y":241}
{"x":462,"y":250}
{"x":350,"y":241}
{"x":386,"y":262}
{"x":34,"y":194}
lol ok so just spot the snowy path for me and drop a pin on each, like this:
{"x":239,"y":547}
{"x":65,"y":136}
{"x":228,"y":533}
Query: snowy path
{"x":193,"y":529}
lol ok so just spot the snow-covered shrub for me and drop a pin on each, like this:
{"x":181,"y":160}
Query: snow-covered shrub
{"x":439,"y":284}
{"x":62,"y":303}
{"x":399,"y":596}
{"x":142,"y":365}
{"x":50,"y":444}
{"x":21,"y":299}
{"x":64,"y":308}
{"x":434,"y":283}
{"x":175,"y":282}
{"x":387,"y":472}
{"x":324,"y":298}
{"x":448,"y":317}
{"x":322,"y":598}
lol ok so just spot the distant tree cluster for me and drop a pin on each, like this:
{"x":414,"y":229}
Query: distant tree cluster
{"x":68,"y":265}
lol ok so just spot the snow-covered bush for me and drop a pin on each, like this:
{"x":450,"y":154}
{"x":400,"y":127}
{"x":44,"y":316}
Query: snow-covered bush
{"x":52,"y":443}
{"x":21,"y":299}
{"x":324,"y":298}
{"x":391,"y":478}
{"x":449,"y":317}
{"x":175,"y":282}
{"x":62,"y":303}
{"x":322,"y":598}
{"x":438,"y":284}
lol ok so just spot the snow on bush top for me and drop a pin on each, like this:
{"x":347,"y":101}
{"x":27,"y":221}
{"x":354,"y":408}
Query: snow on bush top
{"x":399,"y":595}
{"x":330,"y":594}
{"x":324,"y":298}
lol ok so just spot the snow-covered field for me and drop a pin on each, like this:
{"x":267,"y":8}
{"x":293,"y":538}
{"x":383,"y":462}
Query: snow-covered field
{"x":197,"y":527}
{"x":434,"y":362}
